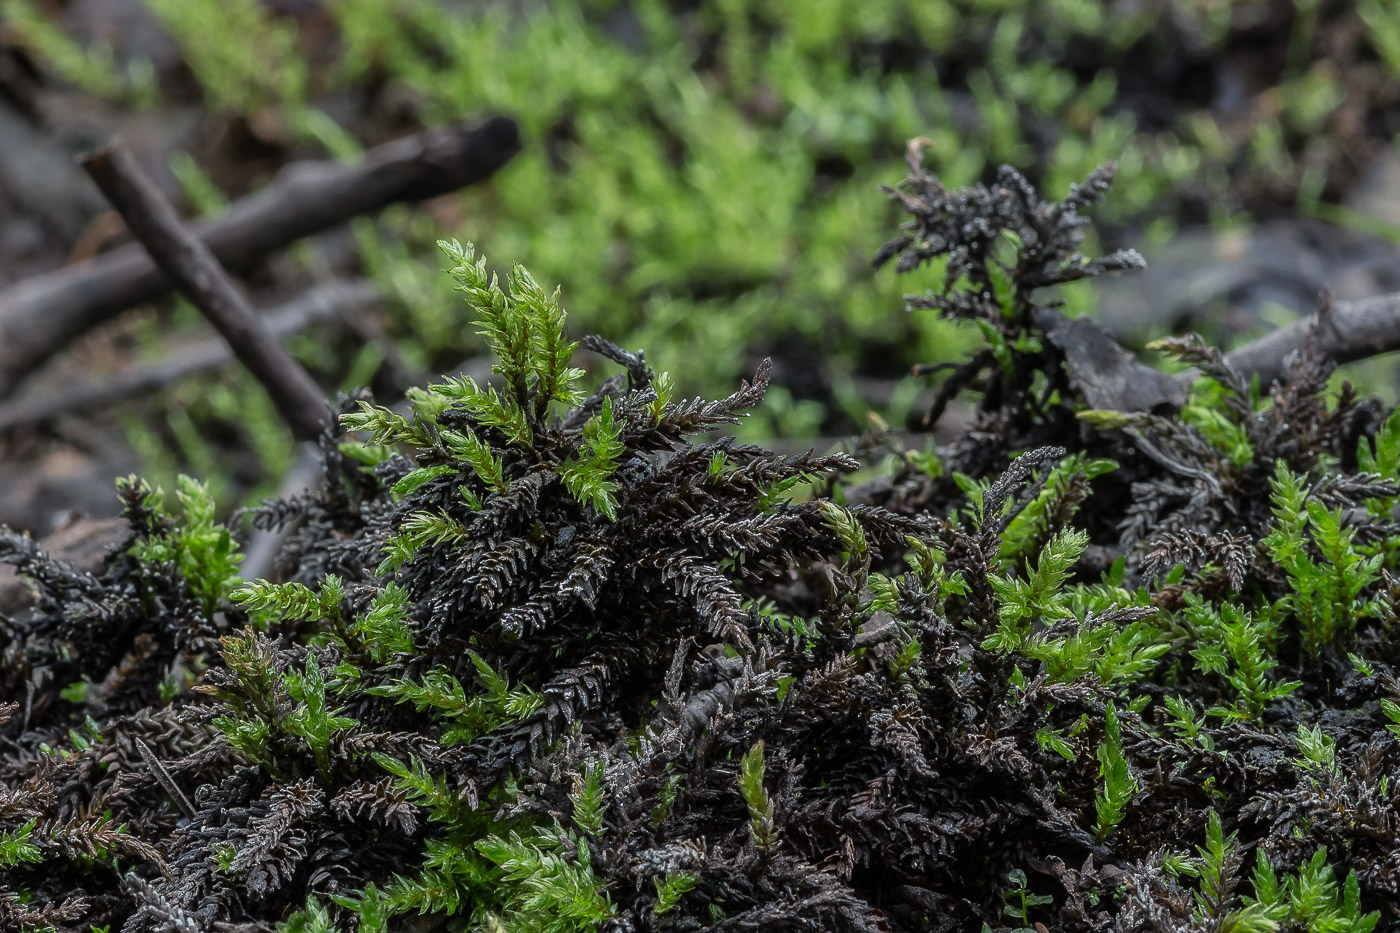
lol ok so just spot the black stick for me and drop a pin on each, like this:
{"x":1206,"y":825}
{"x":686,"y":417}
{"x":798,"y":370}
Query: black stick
{"x":191,"y":266}
{"x":42,"y":314}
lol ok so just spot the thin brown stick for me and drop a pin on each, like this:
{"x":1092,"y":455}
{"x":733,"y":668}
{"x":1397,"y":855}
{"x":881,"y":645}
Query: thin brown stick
{"x":191,"y":266}
{"x":41,"y":315}
{"x":326,"y":302}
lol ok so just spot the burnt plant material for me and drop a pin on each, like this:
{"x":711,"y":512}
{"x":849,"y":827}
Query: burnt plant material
{"x":998,"y":246}
{"x":554,"y":659}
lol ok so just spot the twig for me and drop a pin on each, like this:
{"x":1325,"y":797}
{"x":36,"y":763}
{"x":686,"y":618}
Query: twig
{"x":163,"y":777}
{"x":1354,"y":330}
{"x":1358,"y":330}
{"x":319,"y":303}
{"x":190,"y":265}
{"x":41,"y":315}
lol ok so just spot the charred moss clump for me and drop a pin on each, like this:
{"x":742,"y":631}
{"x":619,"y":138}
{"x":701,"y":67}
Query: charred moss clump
{"x":547,"y":658}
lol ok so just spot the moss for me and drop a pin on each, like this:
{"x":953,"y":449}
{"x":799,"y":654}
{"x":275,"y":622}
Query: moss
{"x":546,"y":659}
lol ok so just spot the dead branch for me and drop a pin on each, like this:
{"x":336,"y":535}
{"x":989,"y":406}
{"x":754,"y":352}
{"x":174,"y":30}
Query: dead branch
{"x":1359,"y":330}
{"x":326,"y":302}
{"x":1355,"y":330}
{"x":188,"y":263}
{"x":41,"y":315}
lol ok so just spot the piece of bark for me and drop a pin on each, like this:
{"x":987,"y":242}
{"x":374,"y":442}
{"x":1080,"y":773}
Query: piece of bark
{"x":41,"y":315}
{"x":193,"y":269}
{"x":38,"y":490}
{"x":326,"y":302}
{"x":1106,"y":374}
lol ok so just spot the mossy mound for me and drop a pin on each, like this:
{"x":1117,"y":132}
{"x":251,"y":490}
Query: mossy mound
{"x":548,"y":659}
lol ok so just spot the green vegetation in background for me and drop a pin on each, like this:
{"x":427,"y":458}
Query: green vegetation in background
{"x":701,"y":180}
{"x":92,"y":68}
{"x":242,"y":55}
{"x":704,"y":210}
